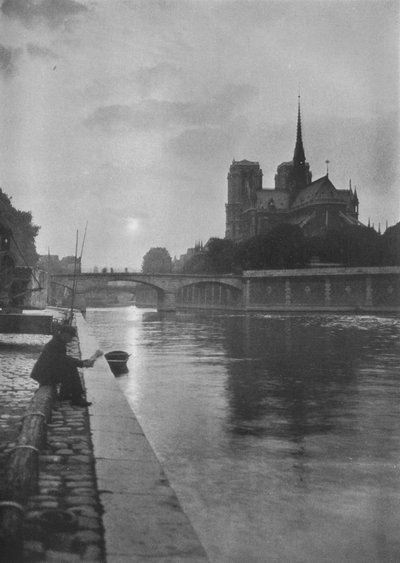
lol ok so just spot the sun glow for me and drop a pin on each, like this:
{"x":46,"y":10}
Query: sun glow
{"x":132,"y":224}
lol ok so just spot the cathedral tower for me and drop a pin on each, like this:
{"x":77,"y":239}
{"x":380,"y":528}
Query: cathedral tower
{"x":244,"y":181}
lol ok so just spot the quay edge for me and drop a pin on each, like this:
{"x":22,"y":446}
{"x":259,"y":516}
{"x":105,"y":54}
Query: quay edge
{"x":142,"y":516}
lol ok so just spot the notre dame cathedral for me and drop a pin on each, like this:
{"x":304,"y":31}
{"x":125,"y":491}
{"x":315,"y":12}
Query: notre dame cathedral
{"x":314,"y":206}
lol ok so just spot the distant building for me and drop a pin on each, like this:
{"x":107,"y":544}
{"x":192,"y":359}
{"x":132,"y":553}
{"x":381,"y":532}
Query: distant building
{"x":53,"y":264}
{"x":179,"y":264}
{"x":314,"y":206}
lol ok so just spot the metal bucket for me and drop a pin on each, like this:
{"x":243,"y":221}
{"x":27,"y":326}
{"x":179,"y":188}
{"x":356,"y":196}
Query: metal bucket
{"x":117,"y":360}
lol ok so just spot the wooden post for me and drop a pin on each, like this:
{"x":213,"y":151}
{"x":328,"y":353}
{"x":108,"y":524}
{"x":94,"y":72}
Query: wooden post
{"x":22,"y":473}
{"x":11,"y":532}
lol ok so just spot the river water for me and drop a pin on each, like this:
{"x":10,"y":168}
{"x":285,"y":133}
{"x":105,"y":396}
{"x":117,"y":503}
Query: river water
{"x":279,"y":433}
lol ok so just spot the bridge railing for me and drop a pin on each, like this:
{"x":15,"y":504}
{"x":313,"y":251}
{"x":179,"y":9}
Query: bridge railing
{"x":109,"y":270}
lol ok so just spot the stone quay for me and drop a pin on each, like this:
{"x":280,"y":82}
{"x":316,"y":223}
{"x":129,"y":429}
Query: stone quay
{"x":102,"y":494}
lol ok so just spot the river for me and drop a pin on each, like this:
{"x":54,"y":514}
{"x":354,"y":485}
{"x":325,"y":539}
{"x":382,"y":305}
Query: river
{"x":279,"y":433}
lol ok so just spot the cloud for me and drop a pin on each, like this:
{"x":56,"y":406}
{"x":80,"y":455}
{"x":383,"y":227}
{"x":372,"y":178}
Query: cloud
{"x":8,"y":59}
{"x":39,"y":51}
{"x":208,"y":143}
{"x":157,"y":114}
{"x":53,"y":12}
{"x":170,"y":92}
{"x":155,"y":78}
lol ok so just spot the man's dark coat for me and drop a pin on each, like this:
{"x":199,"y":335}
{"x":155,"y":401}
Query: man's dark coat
{"x":53,"y":364}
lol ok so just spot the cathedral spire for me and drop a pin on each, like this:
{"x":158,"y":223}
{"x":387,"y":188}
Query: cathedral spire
{"x":299,"y":156}
{"x":301,"y":174}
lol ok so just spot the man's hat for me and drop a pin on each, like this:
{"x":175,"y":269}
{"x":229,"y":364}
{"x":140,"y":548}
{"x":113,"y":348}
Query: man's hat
{"x":67,"y":329}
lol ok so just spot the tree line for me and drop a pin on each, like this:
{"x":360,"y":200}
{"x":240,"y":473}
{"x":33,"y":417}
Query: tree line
{"x":23,"y":232}
{"x":284,"y":247}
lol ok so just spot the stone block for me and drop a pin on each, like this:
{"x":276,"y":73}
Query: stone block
{"x":120,"y":476}
{"x":121,"y":445}
{"x":138,"y":525}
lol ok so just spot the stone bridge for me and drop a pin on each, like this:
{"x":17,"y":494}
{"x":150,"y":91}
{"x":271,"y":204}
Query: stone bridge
{"x":368,"y":289}
{"x":166,"y":285}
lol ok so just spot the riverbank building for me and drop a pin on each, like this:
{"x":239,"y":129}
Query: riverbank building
{"x":315,"y":206}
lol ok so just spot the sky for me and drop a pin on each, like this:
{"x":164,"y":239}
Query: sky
{"x":126,"y":115}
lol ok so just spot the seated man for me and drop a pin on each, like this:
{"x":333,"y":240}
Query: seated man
{"x":55,"y":366}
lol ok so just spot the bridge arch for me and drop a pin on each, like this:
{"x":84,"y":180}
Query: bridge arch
{"x":207,"y":293}
{"x":62,"y":287}
{"x":164,"y":300}
{"x":167,"y":286}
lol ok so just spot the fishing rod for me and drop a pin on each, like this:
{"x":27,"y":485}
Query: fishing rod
{"x":83,"y":244}
{"x":75,"y":278}
{"x":74,"y":282}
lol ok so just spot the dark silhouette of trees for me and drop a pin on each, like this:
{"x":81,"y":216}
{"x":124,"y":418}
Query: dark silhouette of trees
{"x":351,"y":246}
{"x":157,"y":261}
{"x":219,"y":256}
{"x":283,"y":247}
{"x":196,"y":264}
{"x":23,"y":232}
{"x":287,"y":247}
{"x":391,"y":246}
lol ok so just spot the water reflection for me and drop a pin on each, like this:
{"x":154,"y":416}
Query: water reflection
{"x":280,"y":434}
{"x":288,"y":379}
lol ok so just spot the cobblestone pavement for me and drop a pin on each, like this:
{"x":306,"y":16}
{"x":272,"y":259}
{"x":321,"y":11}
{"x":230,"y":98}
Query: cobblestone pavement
{"x":63,"y":521}
{"x":18,"y":353}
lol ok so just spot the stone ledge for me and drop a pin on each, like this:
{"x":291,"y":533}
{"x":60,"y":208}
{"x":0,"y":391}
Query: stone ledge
{"x":142,"y":515}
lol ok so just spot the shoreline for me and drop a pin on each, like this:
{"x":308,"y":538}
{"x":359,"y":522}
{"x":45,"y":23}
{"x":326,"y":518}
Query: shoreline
{"x":142,"y":516}
{"x":102,"y":493}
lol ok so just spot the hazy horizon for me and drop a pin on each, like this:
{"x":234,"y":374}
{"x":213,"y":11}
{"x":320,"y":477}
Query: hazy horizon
{"x":127,"y":115}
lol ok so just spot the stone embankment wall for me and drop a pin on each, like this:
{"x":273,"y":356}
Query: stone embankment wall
{"x":333,"y":289}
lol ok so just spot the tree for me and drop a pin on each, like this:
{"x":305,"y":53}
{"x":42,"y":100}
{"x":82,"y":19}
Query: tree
{"x":283,"y":247}
{"x":196,"y":264}
{"x":219,"y":256}
{"x":351,"y":246}
{"x":157,"y":261}
{"x":391,"y":246}
{"x":23,"y":232}
{"x":287,"y":247}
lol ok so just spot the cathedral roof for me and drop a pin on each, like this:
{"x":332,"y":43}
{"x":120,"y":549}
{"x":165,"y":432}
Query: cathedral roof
{"x":279,"y":198}
{"x":302,"y":220}
{"x":321,"y":189}
{"x":349,"y":219}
